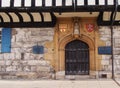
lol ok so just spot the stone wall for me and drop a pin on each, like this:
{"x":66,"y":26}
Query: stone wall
{"x":105,"y":35}
{"x":22,"y":62}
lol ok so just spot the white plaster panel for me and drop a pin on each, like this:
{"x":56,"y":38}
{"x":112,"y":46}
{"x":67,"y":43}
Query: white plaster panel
{"x":101,"y":2}
{"x":68,"y":2}
{"x":110,"y":2}
{"x":27,"y":3}
{"x":91,"y":2}
{"x":118,"y":2}
{"x":38,"y":2}
{"x":48,"y":2}
{"x":59,"y":3}
{"x":80,"y":2}
{"x":5,"y":3}
{"x":17,"y":3}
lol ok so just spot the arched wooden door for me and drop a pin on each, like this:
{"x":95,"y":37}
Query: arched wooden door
{"x":77,"y":58}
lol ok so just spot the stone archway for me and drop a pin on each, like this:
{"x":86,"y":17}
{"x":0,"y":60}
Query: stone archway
{"x":66,"y":40}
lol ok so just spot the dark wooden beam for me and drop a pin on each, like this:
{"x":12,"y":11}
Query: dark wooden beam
{"x":31,"y":17}
{"x":0,"y":3}
{"x":22,"y":3}
{"x":96,"y":2}
{"x":32,"y":24}
{"x":61,"y":9}
{"x":2,"y":20}
{"x":33,"y":3}
{"x":42,"y":18}
{"x":11,"y":3}
{"x":106,"y":2}
{"x":11,"y":19}
{"x":86,"y":2}
{"x":19,"y":16}
{"x":101,"y":22}
{"x":53,"y":2}
{"x":63,"y":2}
{"x":43,"y":3}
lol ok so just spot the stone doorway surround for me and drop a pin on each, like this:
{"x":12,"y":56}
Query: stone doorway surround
{"x":63,"y":38}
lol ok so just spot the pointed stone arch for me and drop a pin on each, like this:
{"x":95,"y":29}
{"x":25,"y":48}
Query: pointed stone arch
{"x":69,"y":38}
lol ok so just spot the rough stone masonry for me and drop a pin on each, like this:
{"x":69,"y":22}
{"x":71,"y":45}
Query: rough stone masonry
{"x":105,"y":35}
{"x":22,"y":63}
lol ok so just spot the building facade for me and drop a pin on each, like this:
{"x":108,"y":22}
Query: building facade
{"x":65,"y":39}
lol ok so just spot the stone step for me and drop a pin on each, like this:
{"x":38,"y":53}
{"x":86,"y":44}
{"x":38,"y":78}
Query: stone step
{"x":77,"y":77}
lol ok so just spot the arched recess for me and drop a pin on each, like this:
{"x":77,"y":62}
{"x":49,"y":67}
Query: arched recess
{"x":66,"y":40}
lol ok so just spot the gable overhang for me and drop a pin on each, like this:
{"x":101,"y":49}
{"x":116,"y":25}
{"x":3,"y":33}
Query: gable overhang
{"x":20,"y":13}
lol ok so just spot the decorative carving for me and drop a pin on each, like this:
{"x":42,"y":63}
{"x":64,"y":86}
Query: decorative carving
{"x":76,"y":30}
{"x":63,"y":27}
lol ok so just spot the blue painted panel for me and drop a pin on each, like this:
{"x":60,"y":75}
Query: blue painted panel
{"x":6,"y":40}
{"x":38,"y":49}
{"x":104,"y":50}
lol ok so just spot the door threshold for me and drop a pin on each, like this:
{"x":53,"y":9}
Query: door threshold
{"x":77,"y":77}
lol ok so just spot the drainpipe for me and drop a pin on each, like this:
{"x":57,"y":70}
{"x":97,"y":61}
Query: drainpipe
{"x":113,"y":16}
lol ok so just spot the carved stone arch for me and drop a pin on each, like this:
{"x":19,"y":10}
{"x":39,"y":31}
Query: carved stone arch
{"x":69,"y":38}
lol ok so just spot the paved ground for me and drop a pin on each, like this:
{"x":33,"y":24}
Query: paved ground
{"x":59,"y":84}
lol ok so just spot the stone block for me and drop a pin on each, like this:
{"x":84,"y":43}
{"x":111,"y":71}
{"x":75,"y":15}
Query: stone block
{"x":15,"y":62}
{"x":26,"y":75}
{"x":24,"y":62}
{"x":13,"y":39}
{"x":22,"y":75}
{"x":27,"y":68}
{"x":12,"y":55}
{"x":117,"y":62}
{"x":18,"y":55}
{"x":8,"y":62}
{"x":50,"y":33}
{"x":93,"y":73}
{"x":44,"y":75}
{"x":43,"y":69}
{"x":33,"y":68}
{"x":1,"y":56}
{"x":0,"y":77}
{"x":39,"y":56}
{"x":6,"y":56}
{"x":32,"y":62}
{"x":9,"y":77}
{"x":2,"y":62}
{"x":60,"y":75}
{"x":109,"y":75}
{"x":14,"y":32}
{"x":105,"y":62}
{"x":32,"y":75}
{"x":104,"y":38}
{"x":29,"y":49}
{"x":108,"y":43}
{"x":38,"y":62}
{"x":3,"y":68}
{"x":11,"y":68}
{"x":32,"y":56}
{"x":27,"y":56}
{"x":19,"y":68}
{"x":16,"y":46}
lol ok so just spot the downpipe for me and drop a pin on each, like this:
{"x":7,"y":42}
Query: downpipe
{"x":111,"y":27}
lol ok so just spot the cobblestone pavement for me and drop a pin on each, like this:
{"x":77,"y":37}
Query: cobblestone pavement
{"x":59,"y":84}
